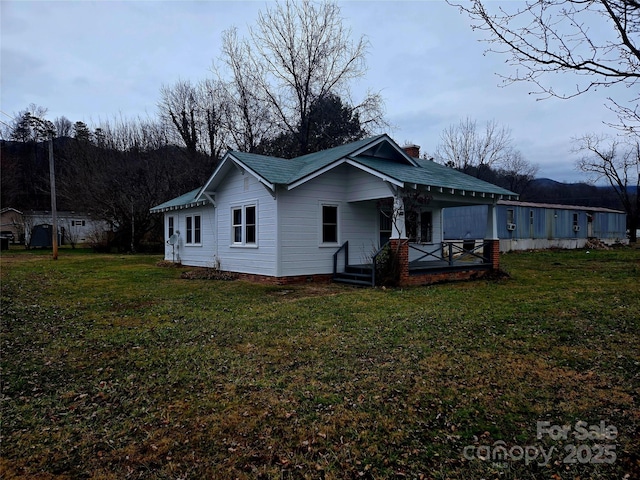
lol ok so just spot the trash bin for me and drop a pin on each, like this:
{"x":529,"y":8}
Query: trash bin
{"x":4,"y":243}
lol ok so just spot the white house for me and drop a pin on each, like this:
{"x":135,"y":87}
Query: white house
{"x":75,"y":228}
{"x":301,"y":219}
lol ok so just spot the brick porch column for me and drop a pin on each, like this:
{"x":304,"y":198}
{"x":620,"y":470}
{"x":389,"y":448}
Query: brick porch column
{"x":401,"y":246}
{"x":491,"y":240}
{"x":494,"y":253}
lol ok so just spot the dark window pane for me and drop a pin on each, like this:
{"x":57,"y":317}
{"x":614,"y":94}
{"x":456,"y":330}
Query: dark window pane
{"x":237,"y":216}
{"x":250,"y":234}
{"x":329,"y":233}
{"x":196,"y":231}
{"x":329,"y":214}
{"x":189,"y":229}
{"x":251,"y":215}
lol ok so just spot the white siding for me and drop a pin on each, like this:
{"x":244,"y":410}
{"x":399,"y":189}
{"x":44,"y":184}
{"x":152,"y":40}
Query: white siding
{"x":236,"y":190}
{"x":300,"y":224}
{"x":364,"y":186}
{"x":202,"y":255}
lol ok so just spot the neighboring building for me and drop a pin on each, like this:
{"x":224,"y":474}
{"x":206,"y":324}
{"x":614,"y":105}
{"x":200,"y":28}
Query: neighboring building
{"x":11,"y":224}
{"x":530,"y":226}
{"x":326,"y":214}
{"x":73,"y":228}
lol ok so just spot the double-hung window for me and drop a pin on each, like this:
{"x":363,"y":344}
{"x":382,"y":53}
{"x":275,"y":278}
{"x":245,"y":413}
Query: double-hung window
{"x":244,"y":225}
{"x":194,"y":232}
{"x":329,"y":224}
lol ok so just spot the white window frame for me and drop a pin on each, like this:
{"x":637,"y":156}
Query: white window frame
{"x":242,"y":226}
{"x":190,"y":236}
{"x":321,"y":224}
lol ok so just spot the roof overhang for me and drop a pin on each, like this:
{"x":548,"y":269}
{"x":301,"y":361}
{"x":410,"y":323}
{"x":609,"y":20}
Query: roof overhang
{"x":479,"y":196}
{"x":161,"y":209}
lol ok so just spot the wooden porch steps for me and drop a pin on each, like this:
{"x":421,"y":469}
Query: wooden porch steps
{"x":359,"y":275}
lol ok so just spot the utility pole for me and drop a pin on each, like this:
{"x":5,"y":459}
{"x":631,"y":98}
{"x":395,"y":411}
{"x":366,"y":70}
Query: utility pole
{"x":133,"y":228}
{"x":54,"y":210}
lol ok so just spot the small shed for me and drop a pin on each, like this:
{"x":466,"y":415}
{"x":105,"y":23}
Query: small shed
{"x":41,"y":236}
{"x":11,"y":224}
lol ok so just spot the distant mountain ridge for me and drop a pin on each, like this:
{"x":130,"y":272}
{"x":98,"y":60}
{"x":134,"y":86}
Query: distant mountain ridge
{"x":547,"y":190}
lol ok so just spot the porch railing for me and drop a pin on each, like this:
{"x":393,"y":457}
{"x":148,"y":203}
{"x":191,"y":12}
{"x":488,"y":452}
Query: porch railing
{"x":344,"y":248}
{"x":452,"y":253}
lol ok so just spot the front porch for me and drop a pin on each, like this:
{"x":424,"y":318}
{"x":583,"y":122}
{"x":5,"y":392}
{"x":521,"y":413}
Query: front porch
{"x":419,"y":264}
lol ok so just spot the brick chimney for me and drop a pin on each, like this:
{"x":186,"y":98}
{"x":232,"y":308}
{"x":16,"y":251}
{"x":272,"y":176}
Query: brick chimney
{"x":412,"y":150}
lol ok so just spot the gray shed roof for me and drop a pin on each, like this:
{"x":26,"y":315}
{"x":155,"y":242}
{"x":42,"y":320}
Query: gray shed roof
{"x":559,"y":206}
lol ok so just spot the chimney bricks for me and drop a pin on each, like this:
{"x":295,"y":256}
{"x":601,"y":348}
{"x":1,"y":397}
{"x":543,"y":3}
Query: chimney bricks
{"x":412,"y":150}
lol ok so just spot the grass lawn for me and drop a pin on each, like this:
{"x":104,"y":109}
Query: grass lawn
{"x":113,"y":367}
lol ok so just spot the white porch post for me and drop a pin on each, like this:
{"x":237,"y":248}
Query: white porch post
{"x":492,"y":223}
{"x":398,"y":227}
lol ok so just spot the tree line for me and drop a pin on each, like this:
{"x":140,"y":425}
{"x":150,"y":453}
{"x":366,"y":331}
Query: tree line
{"x":284,"y":90}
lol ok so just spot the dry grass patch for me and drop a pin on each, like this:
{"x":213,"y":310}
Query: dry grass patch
{"x":116,"y":368}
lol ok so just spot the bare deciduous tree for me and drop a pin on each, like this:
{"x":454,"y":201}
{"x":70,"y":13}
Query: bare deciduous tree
{"x":195,"y":113}
{"x":595,"y":39}
{"x":122,"y":175}
{"x":517,"y":172}
{"x":618,"y":162}
{"x":213,"y":105}
{"x":469,"y":149}
{"x":179,"y":107}
{"x":64,"y":127}
{"x":247,"y":116}
{"x":299,"y":52}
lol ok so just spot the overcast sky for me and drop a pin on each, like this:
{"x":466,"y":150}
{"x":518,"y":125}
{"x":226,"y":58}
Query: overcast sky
{"x":97,"y":60}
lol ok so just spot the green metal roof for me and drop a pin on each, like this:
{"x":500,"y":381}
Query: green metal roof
{"x":282,"y":171}
{"x":272,"y":169}
{"x":431,"y":174}
{"x":314,"y":162}
{"x":378,"y":155}
{"x":183,"y":201}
